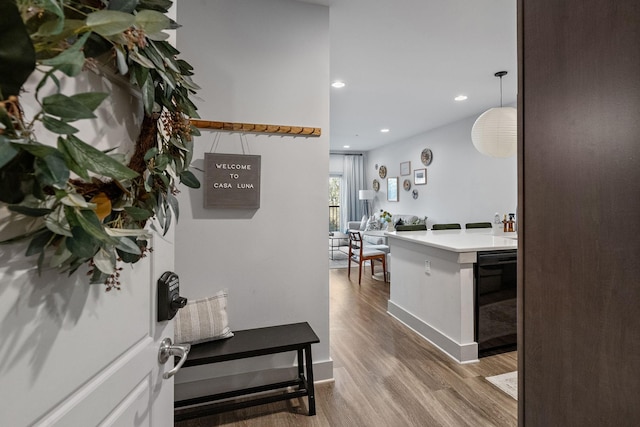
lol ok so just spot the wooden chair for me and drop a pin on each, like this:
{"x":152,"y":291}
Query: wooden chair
{"x":358,"y":253}
{"x":478,"y":225}
{"x":446,"y":227}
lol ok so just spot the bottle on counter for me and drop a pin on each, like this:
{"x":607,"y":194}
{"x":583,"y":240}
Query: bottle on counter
{"x":511,"y":223}
{"x":505,"y":223}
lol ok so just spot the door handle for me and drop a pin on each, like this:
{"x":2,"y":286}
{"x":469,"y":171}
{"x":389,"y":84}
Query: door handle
{"x":167,"y":350}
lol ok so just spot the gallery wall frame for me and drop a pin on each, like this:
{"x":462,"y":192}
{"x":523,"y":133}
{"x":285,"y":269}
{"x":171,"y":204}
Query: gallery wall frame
{"x":392,"y":189}
{"x":420,"y":177}
{"x":405,"y":168}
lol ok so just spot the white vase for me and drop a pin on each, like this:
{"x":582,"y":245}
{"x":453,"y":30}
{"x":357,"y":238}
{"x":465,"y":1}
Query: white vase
{"x":390,"y":226}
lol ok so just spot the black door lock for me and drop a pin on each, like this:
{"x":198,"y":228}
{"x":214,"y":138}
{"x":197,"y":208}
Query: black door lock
{"x":169,"y":299}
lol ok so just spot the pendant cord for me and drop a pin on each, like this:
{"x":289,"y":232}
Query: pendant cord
{"x":500,"y":91}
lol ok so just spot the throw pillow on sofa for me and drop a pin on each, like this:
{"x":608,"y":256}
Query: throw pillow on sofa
{"x":373,"y":224}
{"x":363,"y":223}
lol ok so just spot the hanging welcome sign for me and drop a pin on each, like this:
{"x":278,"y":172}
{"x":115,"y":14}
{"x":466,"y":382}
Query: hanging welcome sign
{"x":232,"y":181}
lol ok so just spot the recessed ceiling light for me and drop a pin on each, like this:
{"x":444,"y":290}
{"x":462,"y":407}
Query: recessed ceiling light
{"x":338,"y":84}
{"x":385,"y":130}
{"x":346,"y":146}
{"x":460,"y":97}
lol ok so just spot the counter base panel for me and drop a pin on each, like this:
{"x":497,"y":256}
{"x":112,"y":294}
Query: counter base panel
{"x":462,"y":353}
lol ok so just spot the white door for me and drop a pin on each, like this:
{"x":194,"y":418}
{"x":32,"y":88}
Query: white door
{"x":72,"y":354}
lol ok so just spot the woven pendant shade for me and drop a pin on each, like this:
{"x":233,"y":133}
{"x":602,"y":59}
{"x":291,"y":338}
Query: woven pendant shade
{"x":495,"y":132}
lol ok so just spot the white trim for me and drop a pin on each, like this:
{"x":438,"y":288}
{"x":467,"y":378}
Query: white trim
{"x":461,"y":353}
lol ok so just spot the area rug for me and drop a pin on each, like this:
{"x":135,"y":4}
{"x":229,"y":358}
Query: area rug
{"x":506,"y":382}
{"x":340,"y":260}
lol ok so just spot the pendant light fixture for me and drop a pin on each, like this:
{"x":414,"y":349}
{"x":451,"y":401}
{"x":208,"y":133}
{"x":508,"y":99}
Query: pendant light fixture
{"x":495,"y":132}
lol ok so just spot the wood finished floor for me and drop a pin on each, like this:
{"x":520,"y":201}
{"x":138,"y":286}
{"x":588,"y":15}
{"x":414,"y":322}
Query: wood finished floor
{"x":385,"y":375}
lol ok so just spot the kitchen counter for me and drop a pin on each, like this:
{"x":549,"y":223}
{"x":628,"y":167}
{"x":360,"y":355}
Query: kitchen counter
{"x":432,"y":284}
{"x":473,"y":240}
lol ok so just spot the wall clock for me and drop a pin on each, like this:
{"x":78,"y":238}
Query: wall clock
{"x":426,"y":157}
{"x":376,"y":185}
{"x":415,"y":194}
{"x":382,"y":171}
{"x":406,"y":184}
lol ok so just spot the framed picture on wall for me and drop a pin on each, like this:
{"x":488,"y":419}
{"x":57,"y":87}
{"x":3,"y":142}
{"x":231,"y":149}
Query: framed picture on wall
{"x":405,"y":168}
{"x":392,"y":189}
{"x":420,"y":176}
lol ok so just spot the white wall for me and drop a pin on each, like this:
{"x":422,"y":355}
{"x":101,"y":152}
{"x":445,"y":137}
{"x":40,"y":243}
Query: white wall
{"x":260,"y":61}
{"x":462,"y":184}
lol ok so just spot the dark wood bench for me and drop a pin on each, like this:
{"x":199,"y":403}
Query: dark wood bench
{"x":251,"y":343}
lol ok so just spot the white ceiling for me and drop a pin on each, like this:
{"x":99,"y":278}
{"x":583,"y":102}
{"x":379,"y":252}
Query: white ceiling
{"x":404,"y":61}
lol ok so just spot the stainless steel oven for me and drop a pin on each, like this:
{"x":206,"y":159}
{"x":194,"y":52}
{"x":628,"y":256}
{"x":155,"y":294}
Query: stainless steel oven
{"x":496,"y":323}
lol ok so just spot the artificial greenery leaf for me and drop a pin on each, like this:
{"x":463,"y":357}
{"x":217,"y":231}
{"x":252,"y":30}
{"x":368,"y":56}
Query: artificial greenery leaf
{"x":90,"y":158}
{"x":155,"y":57}
{"x":138,"y":214}
{"x":70,"y":160}
{"x":52,"y":171}
{"x":60,"y":256}
{"x":105,"y":261}
{"x":159,"y":36}
{"x":39,"y":242}
{"x":150,"y":153}
{"x":29,"y":211}
{"x":185,"y":68}
{"x":139,"y":75}
{"x":66,"y":107}
{"x":57,"y":222}
{"x":132,"y":257}
{"x":71,"y":60}
{"x":159,"y":5}
{"x":96,"y":45}
{"x":189,"y":179}
{"x":151,"y":21}
{"x":52,"y":6}
{"x":58,"y":126}
{"x":167,"y":49}
{"x":38,"y":150}
{"x":51,"y":28}
{"x":82,"y":244}
{"x":148,"y":95}
{"x":7,"y":151}
{"x":173,"y":202}
{"x":17,"y":57}
{"x":168,"y":52}
{"x":92,"y":226}
{"x":161,"y":162}
{"x":121,"y":61}
{"x":109,"y":22}
{"x":128,"y":245}
{"x":91,"y":100}
{"x":126,"y":6}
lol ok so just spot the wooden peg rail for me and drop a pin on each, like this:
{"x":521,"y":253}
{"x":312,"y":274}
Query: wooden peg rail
{"x":256,"y":128}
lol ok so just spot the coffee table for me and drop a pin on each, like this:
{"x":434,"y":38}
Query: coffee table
{"x":334,"y":241}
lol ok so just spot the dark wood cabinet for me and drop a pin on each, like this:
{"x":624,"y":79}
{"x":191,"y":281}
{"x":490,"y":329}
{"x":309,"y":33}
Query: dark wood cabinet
{"x":579,"y":202}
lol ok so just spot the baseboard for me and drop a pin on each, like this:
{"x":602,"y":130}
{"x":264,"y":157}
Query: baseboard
{"x":461,"y":353}
{"x":322,"y":372}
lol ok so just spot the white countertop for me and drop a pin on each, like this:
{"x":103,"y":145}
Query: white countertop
{"x":472,"y":240}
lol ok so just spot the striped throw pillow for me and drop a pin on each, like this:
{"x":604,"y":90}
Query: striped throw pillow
{"x":203,"y":320}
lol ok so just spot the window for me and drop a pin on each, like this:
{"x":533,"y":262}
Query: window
{"x":334,"y":203}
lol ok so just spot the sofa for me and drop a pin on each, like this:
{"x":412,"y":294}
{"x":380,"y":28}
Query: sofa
{"x":374,"y":223}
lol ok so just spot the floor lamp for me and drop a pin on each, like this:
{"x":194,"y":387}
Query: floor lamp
{"x":365,"y":196}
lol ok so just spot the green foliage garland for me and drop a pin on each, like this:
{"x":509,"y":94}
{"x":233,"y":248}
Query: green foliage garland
{"x":87,"y":206}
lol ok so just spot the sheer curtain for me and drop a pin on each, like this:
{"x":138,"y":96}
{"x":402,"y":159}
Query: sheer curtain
{"x":352,"y":182}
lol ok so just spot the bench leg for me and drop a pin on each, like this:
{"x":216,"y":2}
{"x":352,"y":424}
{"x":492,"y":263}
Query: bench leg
{"x":300,"y":364}
{"x":311,"y":399}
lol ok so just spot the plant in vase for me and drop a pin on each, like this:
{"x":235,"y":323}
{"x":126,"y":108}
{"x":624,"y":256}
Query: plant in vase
{"x":386,"y":217}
